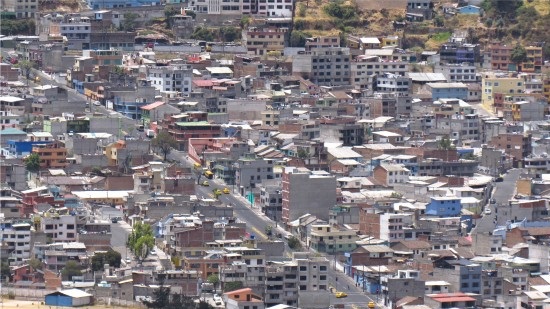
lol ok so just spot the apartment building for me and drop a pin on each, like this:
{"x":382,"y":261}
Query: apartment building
{"x":245,"y":265}
{"x":51,"y":155}
{"x":22,"y":9}
{"x":516,"y":145}
{"x":77,"y":30}
{"x":104,"y":57}
{"x":128,"y":102}
{"x":14,"y":175}
{"x":365,"y":68}
{"x":500,"y":56}
{"x":385,"y":226}
{"x":306,"y":191}
{"x":8,"y":120}
{"x":534,"y":59}
{"x":390,"y":174}
{"x":59,"y":228}
{"x":331,"y":239}
{"x":459,"y":53}
{"x":499,"y":84}
{"x":398,"y":84}
{"x":243,"y":299}
{"x":56,"y":255}
{"x":458,"y":73}
{"x":324,"y":66}
{"x":113,"y":4}
{"x":404,"y":283}
{"x":528,"y":111}
{"x":16,"y":236}
{"x":15,"y":105}
{"x":271,"y":201}
{"x":261,"y":41}
{"x":251,"y":171}
{"x":322,"y":42}
{"x":172,"y":78}
{"x":464,"y":275}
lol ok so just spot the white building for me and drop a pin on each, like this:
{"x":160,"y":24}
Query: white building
{"x":60,"y":228}
{"x":176,"y":78}
{"x":17,"y":238}
{"x":464,"y":72}
{"x":77,"y":30}
{"x":388,"y":82}
{"x":365,"y":68}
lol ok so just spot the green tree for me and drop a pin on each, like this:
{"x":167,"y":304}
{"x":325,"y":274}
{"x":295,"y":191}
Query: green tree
{"x":445,"y":143}
{"x":191,"y":13}
{"x":129,"y":22}
{"x":36,"y":264}
{"x":214,"y":279}
{"x":71,"y":269}
{"x":141,"y":240}
{"x":294,"y":243}
{"x":203,"y":34}
{"x":161,"y":297}
{"x":232,"y":286}
{"x":244,"y":22}
{"x":110,"y":257}
{"x":298,"y":38}
{"x":5,"y":271}
{"x":229,"y":34}
{"x":169,"y":12}
{"x":17,"y":26}
{"x":26,"y":67}
{"x":32,"y":163}
{"x":164,"y":142}
{"x":518,"y":55}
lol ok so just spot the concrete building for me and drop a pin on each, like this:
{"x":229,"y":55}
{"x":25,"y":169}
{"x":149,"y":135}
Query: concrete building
{"x":170,"y":78}
{"x":59,"y":228}
{"x":503,"y":84}
{"x":459,"y":53}
{"x":128,"y":102}
{"x":390,"y":174}
{"x":27,"y":9}
{"x":385,"y":226}
{"x":251,"y":171}
{"x":448,"y":91}
{"x":366,"y":67}
{"x":51,"y":155}
{"x":271,"y":201}
{"x":331,"y":239}
{"x":443,"y":206}
{"x":419,"y":10}
{"x":307,"y":192}
{"x":465,"y":276}
{"x":14,"y":175}
{"x":393,"y":83}
{"x":77,"y":30}
{"x":324,"y":66}
{"x":516,"y":145}
{"x":528,"y":111}
{"x":261,"y":41}
{"x":404,"y":283}
{"x":17,"y":238}
{"x":243,"y":299}
{"x":458,"y":73}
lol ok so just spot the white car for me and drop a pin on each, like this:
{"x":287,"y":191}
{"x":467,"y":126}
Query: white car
{"x":487,"y":211}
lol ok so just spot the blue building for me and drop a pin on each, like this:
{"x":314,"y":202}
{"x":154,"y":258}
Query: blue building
{"x":469,"y":9}
{"x":68,"y":298}
{"x":448,"y":91}
{"x":112,"y":4}
{"x":22,"y":148}
{"x":444,"y":206}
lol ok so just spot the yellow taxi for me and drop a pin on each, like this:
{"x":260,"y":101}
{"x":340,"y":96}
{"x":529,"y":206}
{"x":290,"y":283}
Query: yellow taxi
{"x":341,"y":295}
{"x":205,"y":183}
{"x":226,"y":190}
{"x":371,"y":305}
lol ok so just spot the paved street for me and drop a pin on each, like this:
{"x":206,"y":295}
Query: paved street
{"x":126,"y":123}
{"x":503,"y":192}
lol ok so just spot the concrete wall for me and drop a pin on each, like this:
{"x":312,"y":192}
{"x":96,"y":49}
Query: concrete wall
{"x":245,"y":109}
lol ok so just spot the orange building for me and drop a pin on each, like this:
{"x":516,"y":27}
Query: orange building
{"x":51,"y":155}
{"x":243,"y":298}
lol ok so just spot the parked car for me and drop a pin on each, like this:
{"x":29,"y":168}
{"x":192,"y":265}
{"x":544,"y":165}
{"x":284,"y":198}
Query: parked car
{"x":487,"y":211}
{"x":226,"y":190}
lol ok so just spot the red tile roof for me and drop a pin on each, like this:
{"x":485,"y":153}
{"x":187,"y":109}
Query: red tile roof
{"x":203,"y":82}
{"x":149,"y":107}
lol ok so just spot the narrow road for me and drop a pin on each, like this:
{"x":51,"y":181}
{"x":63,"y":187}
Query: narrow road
{"x":502,"y":193}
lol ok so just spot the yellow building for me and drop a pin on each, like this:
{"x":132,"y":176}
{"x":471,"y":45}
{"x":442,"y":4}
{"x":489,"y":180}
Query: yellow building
{"x":499,"y":84}
{"x":546,"y":87}
{"x":534,"y":59}
{"x":390,"y":40}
